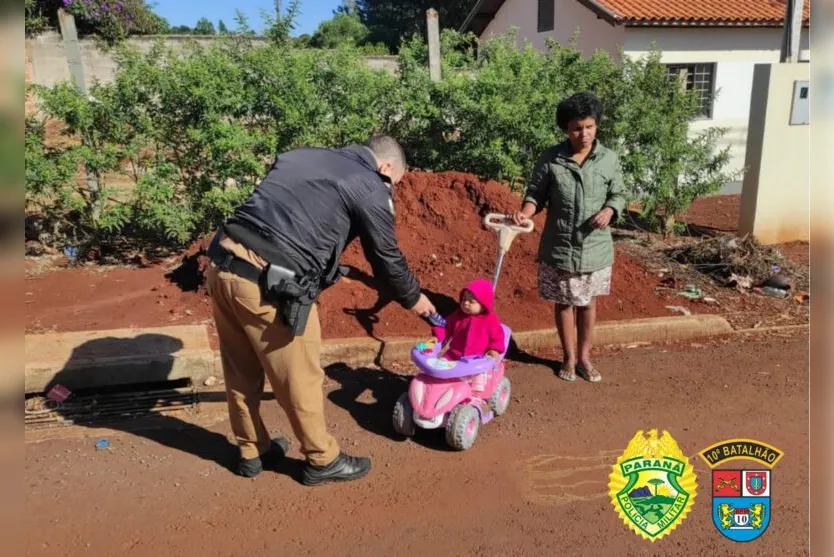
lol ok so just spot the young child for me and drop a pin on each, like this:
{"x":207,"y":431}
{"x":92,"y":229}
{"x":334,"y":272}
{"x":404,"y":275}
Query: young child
{"x":473,"y":329}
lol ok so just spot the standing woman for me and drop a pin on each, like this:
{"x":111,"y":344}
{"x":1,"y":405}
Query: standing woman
{"x":580,"y":184}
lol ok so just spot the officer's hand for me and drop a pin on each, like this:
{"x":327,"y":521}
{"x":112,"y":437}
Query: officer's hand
{"x":423,"y":307}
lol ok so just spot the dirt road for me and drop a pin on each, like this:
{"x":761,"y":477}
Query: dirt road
{"x":535,"y":483}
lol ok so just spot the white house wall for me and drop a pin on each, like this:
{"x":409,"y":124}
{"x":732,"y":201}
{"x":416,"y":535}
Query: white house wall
{"x":735,"y":51}
{"x":594,"y":33}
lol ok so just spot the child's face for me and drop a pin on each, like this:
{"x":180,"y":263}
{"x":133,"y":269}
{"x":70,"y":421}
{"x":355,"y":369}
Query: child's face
{"x":469,"y":304}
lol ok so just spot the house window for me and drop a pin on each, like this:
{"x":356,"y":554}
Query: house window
{"x":547,"y":14}
{"x":699,"y":78}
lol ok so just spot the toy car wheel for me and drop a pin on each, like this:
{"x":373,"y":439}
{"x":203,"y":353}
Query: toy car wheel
{"x":500,"y":398}
{"x":462,"y":427}
{"x":403,"y":417}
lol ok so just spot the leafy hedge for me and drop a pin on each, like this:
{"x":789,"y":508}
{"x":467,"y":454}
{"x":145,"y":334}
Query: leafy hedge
{"x":179,"y":139}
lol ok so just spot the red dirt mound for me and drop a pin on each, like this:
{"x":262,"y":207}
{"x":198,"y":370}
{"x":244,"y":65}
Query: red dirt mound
{"x":717,"y":213}
{"x":439,"y":220}
{"x":190,"y":275}
{"x":439,"y":224}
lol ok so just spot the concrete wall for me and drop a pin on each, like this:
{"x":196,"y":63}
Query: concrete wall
{"x":47,"y":64}
{"x":735,"y":52}
{"x":570,"y":16}
{"x":776,"y":193}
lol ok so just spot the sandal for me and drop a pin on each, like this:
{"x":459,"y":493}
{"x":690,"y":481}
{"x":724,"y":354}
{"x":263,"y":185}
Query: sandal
{"x":566,"y":374}
{"x":591,"y":375}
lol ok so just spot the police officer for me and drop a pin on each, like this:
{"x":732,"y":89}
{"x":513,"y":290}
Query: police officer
{"x":270,"y":261}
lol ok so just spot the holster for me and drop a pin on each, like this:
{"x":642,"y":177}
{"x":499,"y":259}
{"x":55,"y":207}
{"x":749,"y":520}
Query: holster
{"x":294,"y":297}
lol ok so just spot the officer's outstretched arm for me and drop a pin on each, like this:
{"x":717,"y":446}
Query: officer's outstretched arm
{"x":379,"y":242}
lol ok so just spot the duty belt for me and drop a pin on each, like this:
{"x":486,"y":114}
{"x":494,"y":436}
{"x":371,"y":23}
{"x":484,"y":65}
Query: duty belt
{"x":293,"y":297}
{"x":235,"y":265}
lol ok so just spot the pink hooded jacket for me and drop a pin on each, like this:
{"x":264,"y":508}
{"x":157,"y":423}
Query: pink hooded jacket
{"x":473,"y":335}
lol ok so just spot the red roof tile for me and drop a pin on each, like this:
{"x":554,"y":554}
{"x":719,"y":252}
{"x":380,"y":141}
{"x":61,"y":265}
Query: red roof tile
{"x":698,"y":12}
{"x":675,"y":13}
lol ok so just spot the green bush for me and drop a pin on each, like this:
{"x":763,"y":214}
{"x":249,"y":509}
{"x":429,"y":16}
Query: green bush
{"x":493,"y":114}
{"x":192,"y":132}
{"x":195,"y":131}
{"x":96,"y":140}
{"x":341,"y":29}
{"x":50,"y":175}
{"x":666,"y":167}
{"x":35,"y":21}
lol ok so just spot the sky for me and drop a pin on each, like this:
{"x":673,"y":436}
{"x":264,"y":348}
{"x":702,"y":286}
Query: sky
{"x":187,"y":12}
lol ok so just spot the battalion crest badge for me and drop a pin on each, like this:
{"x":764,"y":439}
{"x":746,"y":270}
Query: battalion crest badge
{"x":652,"y":486}
{"x":741,"y":498}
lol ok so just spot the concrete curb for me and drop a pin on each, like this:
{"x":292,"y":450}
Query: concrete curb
{"x":106,"y":358}
{"x":656,"y":329}
{"x":360,"y":352}
{"x":80,"y":360}
{"x":774,"y":329}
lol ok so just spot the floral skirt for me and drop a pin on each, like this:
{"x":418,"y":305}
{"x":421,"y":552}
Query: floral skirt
{"x":572,"y":289}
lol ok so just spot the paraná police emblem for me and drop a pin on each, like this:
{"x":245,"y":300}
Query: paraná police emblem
{"x":652,"y":486}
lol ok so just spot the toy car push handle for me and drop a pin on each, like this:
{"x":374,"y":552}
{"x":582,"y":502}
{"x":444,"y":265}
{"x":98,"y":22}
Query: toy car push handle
{"x":506,"y":234}
{"x":506,"y":230}
{"x":498,"y":221}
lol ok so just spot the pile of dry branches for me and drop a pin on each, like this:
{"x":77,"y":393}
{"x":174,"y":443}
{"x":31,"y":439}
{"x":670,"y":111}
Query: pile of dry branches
{"x":728,"y":258}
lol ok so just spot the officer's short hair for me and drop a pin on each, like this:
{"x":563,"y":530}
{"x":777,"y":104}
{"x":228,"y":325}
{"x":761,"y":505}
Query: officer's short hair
{"x":387,"y":148}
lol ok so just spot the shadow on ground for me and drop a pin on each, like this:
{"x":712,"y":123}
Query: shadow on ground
{"x":168,"y":430}
{"x":519,"y":356}
{"x":373,"y":410}
{"x":369,"y":317}
{"x":368,"y":394}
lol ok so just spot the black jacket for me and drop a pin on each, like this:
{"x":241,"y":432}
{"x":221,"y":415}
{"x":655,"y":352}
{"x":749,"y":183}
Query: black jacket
{"x":311,"y":204}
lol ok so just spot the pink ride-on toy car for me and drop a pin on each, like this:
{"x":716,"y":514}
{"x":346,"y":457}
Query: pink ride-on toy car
{"x":440,"y":395}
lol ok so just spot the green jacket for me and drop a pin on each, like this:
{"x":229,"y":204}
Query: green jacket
{"x":573,"y":195}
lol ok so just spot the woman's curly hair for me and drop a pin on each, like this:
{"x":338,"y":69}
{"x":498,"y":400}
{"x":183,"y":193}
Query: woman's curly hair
{"x":578,"y":107}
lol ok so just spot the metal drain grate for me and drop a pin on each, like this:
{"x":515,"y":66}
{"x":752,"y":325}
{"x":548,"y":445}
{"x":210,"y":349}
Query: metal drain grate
{"x":110,"y":405}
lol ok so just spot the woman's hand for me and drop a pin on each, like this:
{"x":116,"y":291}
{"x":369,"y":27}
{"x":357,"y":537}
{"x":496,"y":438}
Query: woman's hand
{"x":603,"y":218}
{"x":492,"y":354}
{"x":521,"y":217}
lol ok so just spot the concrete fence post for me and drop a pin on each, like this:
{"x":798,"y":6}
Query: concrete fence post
{"x":433,"y":27}
{"x":69,"y":35}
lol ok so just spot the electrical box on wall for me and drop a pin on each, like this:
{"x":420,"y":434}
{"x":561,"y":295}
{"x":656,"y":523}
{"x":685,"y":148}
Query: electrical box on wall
{"x":801,"y":107}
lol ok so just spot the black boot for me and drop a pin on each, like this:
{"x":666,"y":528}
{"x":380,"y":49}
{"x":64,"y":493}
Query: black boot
{"x":251,"y":467}
{"x":344,"y":469}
